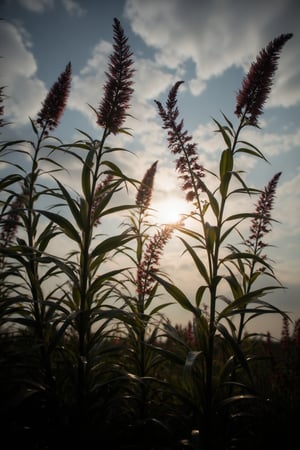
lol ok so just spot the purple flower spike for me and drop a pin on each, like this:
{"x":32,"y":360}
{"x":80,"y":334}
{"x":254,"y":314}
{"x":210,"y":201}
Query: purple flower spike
{"x":257,"y":84}
{"x":55,"y":102}
{"x":117,"y":90}
{"x":180,"y":144}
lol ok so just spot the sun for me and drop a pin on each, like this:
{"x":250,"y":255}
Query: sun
{"x":171,"y":210}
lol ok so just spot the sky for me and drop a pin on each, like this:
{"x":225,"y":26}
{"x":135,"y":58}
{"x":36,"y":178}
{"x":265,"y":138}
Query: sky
{"x":209,"y":44}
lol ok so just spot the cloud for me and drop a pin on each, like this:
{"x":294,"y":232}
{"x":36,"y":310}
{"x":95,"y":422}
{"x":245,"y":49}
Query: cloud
{"x":37,"y":6}
{"x":216,"y":35}
{"x":24,"y":89}
{"x":72,"y":7}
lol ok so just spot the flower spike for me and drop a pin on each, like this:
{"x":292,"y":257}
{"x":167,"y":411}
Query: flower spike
{"x":144,"y":193}
{"x":55,"y":102}
{"x":257,"y":85}
{"x":150,"y":261}
{"x":260,"y":224}
{"x":117,"y":90}
{"x":180,"y":144}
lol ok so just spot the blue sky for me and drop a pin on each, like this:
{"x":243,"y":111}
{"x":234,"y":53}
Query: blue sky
{"x":210,"y":45}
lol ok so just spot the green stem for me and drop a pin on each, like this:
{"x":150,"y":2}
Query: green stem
{"x":84,"y":316}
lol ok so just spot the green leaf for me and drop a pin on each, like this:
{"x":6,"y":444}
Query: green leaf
{"x":226,"y":166}
{"x":177,"y":294}
{"x":72,"y":205}
{"x":86,"y":174}
{"x":246,"y":256}
{"x":226,"y":162}
{"x":191,"y":361}
{"x":160,"y":307}
{"x":212,"y":199}
{"x":240,"y":304}
{"x":211,"y":235}
{"x":222,"y":130}
{"x":45,"y":237}
{"x":64,"y":224}
{"x":240,"y":216}
{"x":111,"y":243}
{"x":252,"y":151}
{"x":199,"y":264}
{"x":235,"y":347}
{"x":100,"y":280}
{"x":199,"y":294}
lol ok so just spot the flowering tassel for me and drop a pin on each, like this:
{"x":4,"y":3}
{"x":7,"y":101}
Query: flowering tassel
{"x":2,"y":123}
{"x":257,"y":85}
{"x":150,"y":260}
{"x":10,"y":224}
{"x":55,"y":102}
{"x":144,"y":194}
{"x":117,"y":90}
{"x":260,"y":224}
{"x":102,"y":190}
{"x":180,"y":143}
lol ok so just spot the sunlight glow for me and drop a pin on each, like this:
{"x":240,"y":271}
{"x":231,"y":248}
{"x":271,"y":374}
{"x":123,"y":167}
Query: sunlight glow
{"x":170,"y":210}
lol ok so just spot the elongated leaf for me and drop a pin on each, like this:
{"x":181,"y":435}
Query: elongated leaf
{"x":86,"y":175}
{"x":240,"y":216}
{"x":222,"y":130}
{"x":191,"y":361}
{"x":64,"y":224}
{"x":45,"y":237}
{"x":111,"y":243}
{"x":159,"y":308}
{"x":199,"y":294}
{"x":177,"y":294}
{"x":247,"y":256}
{"x":101,"y":279}
{"x":72,"y":205}
{"x":199,"y":264}
{"x":235,"y":347}
{"x":211,"y":234}
{"x":59,"y":332}
{"x":226,"y":166}
{"x":255,"y":151}
{"x":117,"y":209}
{"x":241,"y":303}
{"x":8,"y":180}
{"x":212,"y":199}
{"x":229,"y":122}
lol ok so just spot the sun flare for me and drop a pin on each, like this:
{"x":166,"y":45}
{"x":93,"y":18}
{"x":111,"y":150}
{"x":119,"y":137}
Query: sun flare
{"x":170,"y":210}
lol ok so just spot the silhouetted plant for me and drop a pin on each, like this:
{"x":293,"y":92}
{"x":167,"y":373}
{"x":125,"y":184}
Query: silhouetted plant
{"x":217,"y":390}
{"x":87,"y":354}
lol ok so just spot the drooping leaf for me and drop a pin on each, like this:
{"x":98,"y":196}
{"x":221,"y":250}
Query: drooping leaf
{"x":64,"y":224}
{"x":109,"y":244}
{"x":199,"y":264}
{"x":177,"y":294}
{"x":72,"y":204}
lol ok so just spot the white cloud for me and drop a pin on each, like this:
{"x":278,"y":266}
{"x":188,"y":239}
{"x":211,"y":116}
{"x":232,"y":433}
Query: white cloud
{"x":37,"y":6}
{"x":18,"y":73}
{"x":219,"y":34}
{"x":72,"y":7}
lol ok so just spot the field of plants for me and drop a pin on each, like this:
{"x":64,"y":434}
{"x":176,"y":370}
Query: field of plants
{"x":88,"y":358}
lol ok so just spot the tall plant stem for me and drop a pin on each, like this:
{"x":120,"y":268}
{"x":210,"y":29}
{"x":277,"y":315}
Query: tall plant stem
{"x":84,"y":319}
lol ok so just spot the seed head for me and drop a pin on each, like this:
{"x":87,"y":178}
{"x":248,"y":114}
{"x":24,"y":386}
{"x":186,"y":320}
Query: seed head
{"x":190,"y":171}
{"x":144,"y":193}
{"x":257,"y":85}
{"x":55,"y":102}
{"x":117,"y":90}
